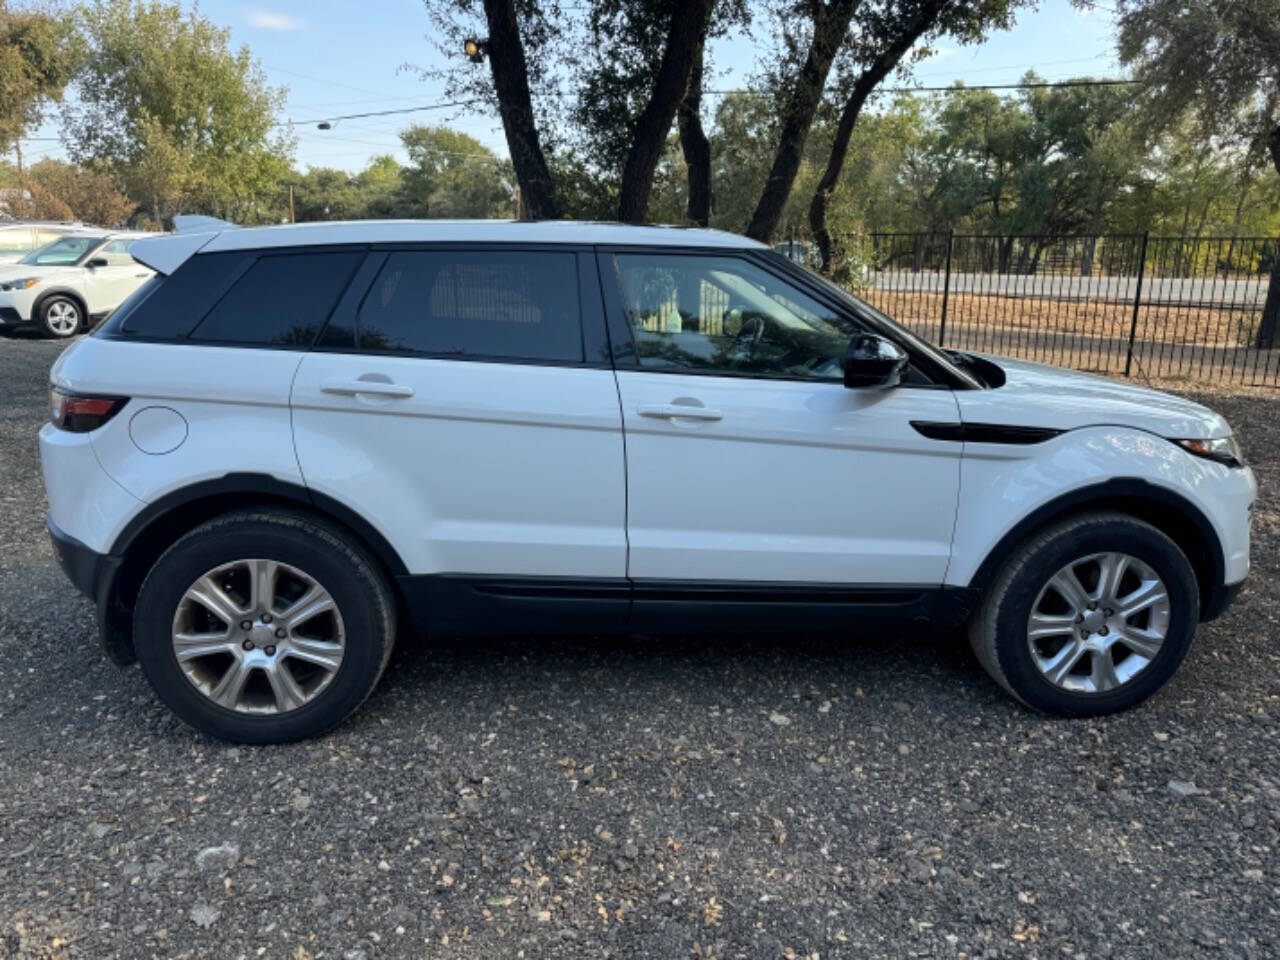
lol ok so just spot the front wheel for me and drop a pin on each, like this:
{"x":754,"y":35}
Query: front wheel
{"x":264,"y":627}
{"x":1089,"y":617}
{"x":60,"y":317}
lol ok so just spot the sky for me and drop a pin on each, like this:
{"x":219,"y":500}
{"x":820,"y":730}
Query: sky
{"x":337,"y":57}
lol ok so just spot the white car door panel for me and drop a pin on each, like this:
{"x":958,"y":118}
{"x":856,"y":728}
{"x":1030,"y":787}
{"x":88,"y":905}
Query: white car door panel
{"x":789,"y":482}
{"x":761,"y":466}
{"x":470,"y":467}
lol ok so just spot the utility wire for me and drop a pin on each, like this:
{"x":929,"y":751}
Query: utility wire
{"x":1048,"y":84}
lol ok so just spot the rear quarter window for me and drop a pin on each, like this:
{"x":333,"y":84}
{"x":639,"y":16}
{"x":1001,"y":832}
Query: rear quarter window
{"x":283,"y":299}
{"x":168,"y":308}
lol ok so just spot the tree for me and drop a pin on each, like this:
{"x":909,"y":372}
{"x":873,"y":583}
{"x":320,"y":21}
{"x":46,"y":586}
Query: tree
{"x":38,"y":57}
{"x":89,"y":195}
{"x":452,"y":174}
{"x":1220,"y":58}
{"x":828,"y":23}
{"x":686,"y":27}
{"x":167,"y":107}
{"x":515,"y":105}
{"x":885,"y":33}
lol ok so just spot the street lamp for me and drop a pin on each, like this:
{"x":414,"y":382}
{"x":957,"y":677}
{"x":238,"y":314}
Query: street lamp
{"x":475,"y":49}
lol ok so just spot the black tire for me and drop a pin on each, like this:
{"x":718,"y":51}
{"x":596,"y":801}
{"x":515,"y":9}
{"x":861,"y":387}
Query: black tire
{"x":343,"y":567}
{"x":999,"y":635}
{"x":51,"y":313}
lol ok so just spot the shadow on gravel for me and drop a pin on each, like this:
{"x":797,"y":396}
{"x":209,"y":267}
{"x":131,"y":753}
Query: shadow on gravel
{"x":919,"y":668}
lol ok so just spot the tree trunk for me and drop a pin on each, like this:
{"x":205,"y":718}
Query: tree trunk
{"x":863,"y":87}
{"x":693,"y":142}
{"x":688,"y":24}
{"x":1270,"y":321}
{"x":511,"y":83}
{"x":830,"y":24}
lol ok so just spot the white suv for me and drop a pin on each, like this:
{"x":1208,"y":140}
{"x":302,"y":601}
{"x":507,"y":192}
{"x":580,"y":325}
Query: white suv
{"x":63,"y":285}
{"x":295,"y":438}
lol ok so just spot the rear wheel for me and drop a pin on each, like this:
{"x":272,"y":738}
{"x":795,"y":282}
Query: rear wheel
{"x":1088,"y":617}
{"x":264,"y":627}
{"x":60,"y":316}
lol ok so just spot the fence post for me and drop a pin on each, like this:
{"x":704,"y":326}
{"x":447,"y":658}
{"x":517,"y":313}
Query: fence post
{"x":946,"y":289}
{"x":1137,"y":302}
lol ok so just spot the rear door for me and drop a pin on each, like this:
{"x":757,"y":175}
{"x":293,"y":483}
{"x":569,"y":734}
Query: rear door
{"x":462,"y":401}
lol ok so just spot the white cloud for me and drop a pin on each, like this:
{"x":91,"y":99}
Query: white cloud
{"x":273,"y":20}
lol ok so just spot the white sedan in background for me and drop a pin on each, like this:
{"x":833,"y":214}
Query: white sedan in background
{"x":64,"y":285}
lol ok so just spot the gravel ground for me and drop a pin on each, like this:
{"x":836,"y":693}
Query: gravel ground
{"x":794,"y":798}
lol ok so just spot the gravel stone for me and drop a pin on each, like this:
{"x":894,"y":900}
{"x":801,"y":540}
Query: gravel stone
{"x":813,"y":838}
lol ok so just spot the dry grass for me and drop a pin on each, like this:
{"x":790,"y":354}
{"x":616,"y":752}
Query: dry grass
{"x":1190,"y":325}
{"x":1175,"y":347}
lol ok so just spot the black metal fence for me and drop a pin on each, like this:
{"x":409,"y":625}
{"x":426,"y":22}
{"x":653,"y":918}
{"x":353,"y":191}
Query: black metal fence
{"x":1141,"y":306}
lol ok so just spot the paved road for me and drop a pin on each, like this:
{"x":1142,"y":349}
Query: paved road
{"x":1155,"y":290}
{"x":631,"y":798}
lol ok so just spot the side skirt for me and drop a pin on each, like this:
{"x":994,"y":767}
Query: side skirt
{"x":480,"y":605}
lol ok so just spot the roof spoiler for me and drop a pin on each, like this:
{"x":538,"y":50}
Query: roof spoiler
{"x":165,"y":254}
{"x":198,"y":223}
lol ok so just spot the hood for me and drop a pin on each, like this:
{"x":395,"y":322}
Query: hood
{"x":1038,"y":395}
{"x":12,"y":271}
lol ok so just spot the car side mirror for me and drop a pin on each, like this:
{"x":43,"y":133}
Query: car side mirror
{"x":873,"y":361}
{"x":97,"y":262}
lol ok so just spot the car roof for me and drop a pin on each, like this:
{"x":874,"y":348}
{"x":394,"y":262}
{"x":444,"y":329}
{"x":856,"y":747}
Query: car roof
{"x":167,"y":253}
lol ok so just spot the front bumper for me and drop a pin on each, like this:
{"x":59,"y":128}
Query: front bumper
{"x":10,"y":317}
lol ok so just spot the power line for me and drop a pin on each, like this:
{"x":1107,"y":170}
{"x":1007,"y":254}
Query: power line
{"x":381,"y":113}
{"x":954,"y":88}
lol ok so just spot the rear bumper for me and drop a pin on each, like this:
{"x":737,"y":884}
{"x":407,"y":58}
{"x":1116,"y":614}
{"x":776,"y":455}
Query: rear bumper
{"x":90,"y":572}
{"x":94,"y":574}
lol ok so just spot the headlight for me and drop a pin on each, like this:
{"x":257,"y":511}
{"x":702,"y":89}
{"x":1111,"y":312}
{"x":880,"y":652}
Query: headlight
{"x":26,"y":283}
{"x":1224,"y":450}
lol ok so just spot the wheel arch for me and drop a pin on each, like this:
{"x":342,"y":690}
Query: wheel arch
{"x":154,"y":529}
{"x":1174,"y":515}
{"x":70,"y":293}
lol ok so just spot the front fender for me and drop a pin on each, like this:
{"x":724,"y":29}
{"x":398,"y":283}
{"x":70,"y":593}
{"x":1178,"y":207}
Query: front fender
{"x":1006,"y":492}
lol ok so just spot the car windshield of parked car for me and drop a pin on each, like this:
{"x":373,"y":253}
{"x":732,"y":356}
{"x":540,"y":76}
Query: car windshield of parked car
{"x":63,"y":252}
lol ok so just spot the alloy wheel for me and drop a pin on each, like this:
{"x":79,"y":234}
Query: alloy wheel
{"x":1098,"y":622}
{"x":258,"y":636}
{"x":63,"y":318}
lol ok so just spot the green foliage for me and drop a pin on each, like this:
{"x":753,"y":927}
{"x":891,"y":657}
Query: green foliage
{"x":38,"y":57}
{"x":186,"y":123}
{"x":450,"y":174}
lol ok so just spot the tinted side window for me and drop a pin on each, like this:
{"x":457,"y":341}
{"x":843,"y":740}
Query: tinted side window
{"x":281,"y":299}
{"x":506,"y":305}
{"x":725,"y":315}
{"x":173,"y":305}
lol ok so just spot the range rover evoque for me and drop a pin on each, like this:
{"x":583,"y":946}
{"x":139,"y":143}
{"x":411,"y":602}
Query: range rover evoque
{"x":293,"y":439}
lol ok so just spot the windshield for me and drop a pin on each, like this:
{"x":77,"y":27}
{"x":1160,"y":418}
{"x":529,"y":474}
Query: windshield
{"x":900,"y":333}
{"x":63,"y":252}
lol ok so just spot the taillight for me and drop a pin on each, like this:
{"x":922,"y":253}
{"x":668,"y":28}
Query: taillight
{"x":80,"y":414}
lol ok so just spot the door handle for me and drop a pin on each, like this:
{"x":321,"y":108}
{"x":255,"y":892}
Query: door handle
{"x":673,"y":411}
{"x":380,"y":388}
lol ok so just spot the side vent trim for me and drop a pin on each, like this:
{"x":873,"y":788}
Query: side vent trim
{"x":984,"y":432}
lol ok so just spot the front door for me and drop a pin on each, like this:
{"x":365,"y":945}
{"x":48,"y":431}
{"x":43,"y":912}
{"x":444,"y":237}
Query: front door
{"x":107,"y":286}
{"x":748,"y":461}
